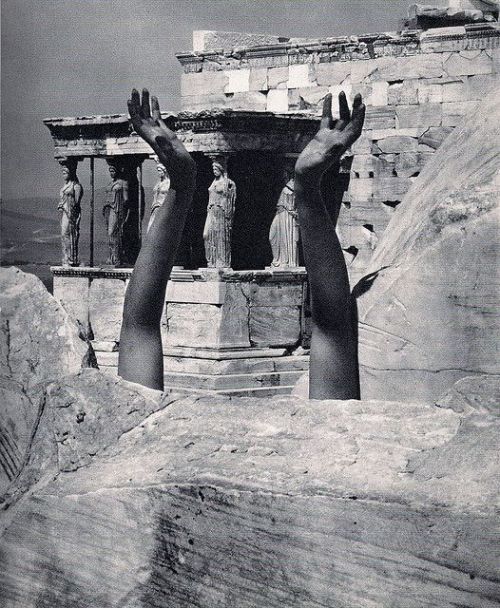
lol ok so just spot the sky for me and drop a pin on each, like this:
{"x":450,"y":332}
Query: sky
{"x":81,"y":57}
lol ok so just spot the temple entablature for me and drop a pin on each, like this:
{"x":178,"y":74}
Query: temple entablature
{"x":208,"y":131}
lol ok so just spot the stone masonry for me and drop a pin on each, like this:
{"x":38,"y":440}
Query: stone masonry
{"x":417,"y":86}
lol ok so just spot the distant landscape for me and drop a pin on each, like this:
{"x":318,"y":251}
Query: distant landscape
{"x":30,"y":234}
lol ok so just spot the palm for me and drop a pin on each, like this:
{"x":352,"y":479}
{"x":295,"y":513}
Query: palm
{"x":332,"y":139}
{"x":148,"y":123}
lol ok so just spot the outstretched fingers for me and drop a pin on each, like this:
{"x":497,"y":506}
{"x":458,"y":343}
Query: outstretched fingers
{"x":134,"y":104}
{"x":155,"y":108}
{"x":326,"y":118}
{"x":358,"y":115}
{"x":357,"y":119}
{"x":344,"y":112}
{"x":145,"y":110}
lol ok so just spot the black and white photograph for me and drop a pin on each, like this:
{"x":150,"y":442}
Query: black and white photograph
{"x":250,"y":304}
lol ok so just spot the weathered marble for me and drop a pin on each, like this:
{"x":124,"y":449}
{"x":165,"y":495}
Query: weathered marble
{"x":430,"y":316}
{"x":106,"y":298}
{"x":38,"y":340}
{"x":278,"y":502}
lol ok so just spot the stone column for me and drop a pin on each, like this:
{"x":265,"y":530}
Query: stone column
{"x":218,"y":228}
{"x":284,"y":231}
{"x":121,"y":210}
{"x":70,"y":197}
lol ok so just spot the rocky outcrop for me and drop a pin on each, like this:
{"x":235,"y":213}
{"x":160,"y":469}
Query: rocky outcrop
{"x":252,"y":502}
{"x":38,"y":340}
{"x":38,"y":343}
{"x":430,"y":315}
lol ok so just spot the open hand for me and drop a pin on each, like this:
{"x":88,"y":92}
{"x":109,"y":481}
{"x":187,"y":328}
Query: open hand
{"x":148,"y":123}
{"x":332,"y":139}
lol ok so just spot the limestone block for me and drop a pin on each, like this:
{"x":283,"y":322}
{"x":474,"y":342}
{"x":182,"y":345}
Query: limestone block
{"x":207,"y":40}
{"x":298,"y":76}
{"x":277,"y":78}
{"x":362,"y":70}
{"x":197,"y":84}
{"x":403,"y":92}
{"x":277,"y":100}
{"x":203,"y":325}
{"x":408,"y":164}
{"x":274,"y":326}
{"x":105,"y":346}
{"x":38,"y":339}
{"x":334,"y":73}
{"x":363,"y":145}
{"x":390,"y":69}
{"x":379,"y":94}
{"x":390,"y":188}
{"x":430,"y":92}
{"x":252,"y":100}
{"x":191,"y":325}
{"x":398,"y":143}
{"x":368,"y":165}
{"x":455,"y":91}
{"x":221,"y":502}
{"x":310,"y":98}
{"x":454,"y":112}
{"x":335,"y":90}
{"x":107,"y":359}
{"x":423,"y":115}
{"x":478,"y":87}
{"x":435,"y":136}
{"x":258,"y":79}
{"x":195,"y":103}
{"x":106,"y":298}
{"x":238,"y":81}
{"x":380,"y":118}
{"x":429,"y":318}
{"x":274,"y":294}
{"x":360,"y":190}
{"x":410,"y":132}
{"x":201,"y":292}
{"x":73,"y":294}
{"x":468,"y":63}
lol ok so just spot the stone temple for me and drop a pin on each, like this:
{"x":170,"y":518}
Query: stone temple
{"x":113,"y":495}
{"x":252,"y":102}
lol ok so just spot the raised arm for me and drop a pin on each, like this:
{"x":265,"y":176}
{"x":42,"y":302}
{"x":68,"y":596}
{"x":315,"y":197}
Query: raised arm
{"x":334,"y":370}
{"x":141,"y":357}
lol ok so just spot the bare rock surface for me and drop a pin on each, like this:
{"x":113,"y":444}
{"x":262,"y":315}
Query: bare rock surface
{"x":38,"y":340}
{"x":430,"y":316}
{"x":257,"y":502}
{"x":38,"y":344}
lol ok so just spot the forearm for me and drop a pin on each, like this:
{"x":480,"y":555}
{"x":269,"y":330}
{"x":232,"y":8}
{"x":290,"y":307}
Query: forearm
{"x":146,"y":290}
{"x":324,"y":259}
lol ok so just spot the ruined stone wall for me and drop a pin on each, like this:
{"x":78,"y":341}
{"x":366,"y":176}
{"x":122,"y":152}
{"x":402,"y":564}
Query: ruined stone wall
{"x":417,"y":87}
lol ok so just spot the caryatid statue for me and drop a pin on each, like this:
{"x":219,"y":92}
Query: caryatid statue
{"x":70,"y":197}
{"x":160,"y":190}
{"x":220,"y":214}
{"x":116,"y":213}
{"x":284,"y":231}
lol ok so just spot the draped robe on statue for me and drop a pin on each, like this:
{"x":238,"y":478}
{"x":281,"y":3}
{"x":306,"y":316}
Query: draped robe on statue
{"x":160,"y":191}
{"x":284,"y":231}
{"x":116,"y":213}
{"x":219,"y":222}
{"x":70,"y":196}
